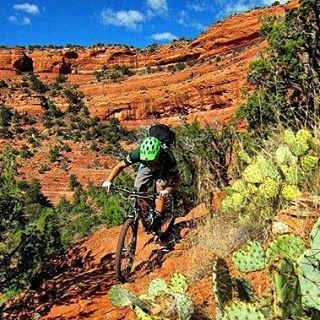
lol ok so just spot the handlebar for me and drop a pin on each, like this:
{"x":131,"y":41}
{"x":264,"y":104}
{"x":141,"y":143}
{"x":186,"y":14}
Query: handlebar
{"x":133,"y":194}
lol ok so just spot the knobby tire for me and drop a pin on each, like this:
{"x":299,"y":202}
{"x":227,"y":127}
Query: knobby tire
{"x":126,"y":257}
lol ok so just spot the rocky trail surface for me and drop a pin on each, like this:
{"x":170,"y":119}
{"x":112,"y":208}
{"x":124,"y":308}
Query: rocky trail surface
{"x":75,"y":285}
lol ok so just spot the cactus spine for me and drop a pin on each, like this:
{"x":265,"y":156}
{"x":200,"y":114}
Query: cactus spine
{"x":250,"y":257}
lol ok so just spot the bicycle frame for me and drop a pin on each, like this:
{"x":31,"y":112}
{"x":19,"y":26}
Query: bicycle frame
{"x":135,"y":211}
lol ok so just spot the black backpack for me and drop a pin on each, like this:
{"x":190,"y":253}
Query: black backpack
{"x":163,"y":133}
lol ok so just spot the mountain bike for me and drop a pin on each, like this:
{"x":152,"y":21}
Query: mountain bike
{"x":127,"y":241}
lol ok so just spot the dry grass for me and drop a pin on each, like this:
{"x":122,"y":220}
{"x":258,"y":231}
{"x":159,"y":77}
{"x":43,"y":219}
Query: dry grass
{"x":218,"y":235}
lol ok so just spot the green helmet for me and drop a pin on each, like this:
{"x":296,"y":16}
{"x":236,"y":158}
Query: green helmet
{"x":150,"y":149}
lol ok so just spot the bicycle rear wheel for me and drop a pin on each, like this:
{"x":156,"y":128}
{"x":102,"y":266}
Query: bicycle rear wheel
{"x":126,"y":249}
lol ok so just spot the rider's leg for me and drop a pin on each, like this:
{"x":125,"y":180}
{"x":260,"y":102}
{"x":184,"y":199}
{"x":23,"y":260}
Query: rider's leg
{"x":160,"y":202}
{"x":142,"y":183}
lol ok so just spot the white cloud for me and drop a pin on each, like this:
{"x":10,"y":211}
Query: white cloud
{"x":165,"y":36}
{"x":236,"y":7}
{"x":130,"y":19}
{"x":27,"y":7}
{"x":198,"y":6}
{"x":23,"y":21}
{"x":183,"y":16}
{"x":184,"y":20}
{"x":158,"y":5}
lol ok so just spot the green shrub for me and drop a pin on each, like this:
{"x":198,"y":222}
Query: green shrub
{"x":203,"y":156}
{"x":287,"y":88}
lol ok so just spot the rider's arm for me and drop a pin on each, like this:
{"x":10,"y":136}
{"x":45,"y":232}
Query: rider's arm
{"x":116,"y":170}
{"x":131,"y":158}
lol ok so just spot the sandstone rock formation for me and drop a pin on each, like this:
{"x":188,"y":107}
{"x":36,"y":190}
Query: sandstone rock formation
{"x":208,"y":88}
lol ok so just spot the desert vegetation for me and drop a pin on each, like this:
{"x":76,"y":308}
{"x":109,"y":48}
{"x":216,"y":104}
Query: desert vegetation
{"x":270,"y":167}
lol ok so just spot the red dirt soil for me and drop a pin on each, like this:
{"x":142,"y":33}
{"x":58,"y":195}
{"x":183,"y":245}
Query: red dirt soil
{"x":78,"y":281}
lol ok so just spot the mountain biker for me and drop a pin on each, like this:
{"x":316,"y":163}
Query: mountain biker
{"x":157,"y":164}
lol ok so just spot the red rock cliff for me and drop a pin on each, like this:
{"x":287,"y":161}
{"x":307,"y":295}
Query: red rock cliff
{"x":208,"y":88}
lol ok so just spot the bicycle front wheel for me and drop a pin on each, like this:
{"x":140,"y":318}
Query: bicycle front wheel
{"x":126,"y":249}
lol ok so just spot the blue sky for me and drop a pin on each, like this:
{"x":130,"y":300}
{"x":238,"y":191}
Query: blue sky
{"x":130,"y":22}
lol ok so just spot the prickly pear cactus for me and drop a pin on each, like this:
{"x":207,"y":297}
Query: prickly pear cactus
{"x":304,"y":135}
{"x":290,"y":192}
{"x":237,"y":200}
{"x":185,"y":306}
{"x":253,"y":174}
{"x":308,"y":163}
{"x":119,"y":296}
{"x":233,"y":202}
{"x":239,"y":186}
{"x":286,"y":290}
{"x":242,"y":311}
{"x":299,"y":147}
{"x":284,"y":156}
{"x":157,"y":286}
{"x":264,"y":305}
{"x":286,"y":246}
{"x":292,"y":173}
{"x":226,"y":204}
{"x":250,"y":257}
{"x":309,"y":278}
{"x":269,"y":189}
{"x":244,"y":157}
{"x":315,"y":239}
{"x":178,"y":283}
{"x":222,"y":284}
{"x":267,"y":169}
{"x":288,"y":136}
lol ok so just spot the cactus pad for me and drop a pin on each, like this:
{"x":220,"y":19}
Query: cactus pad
{"x":242,"y":311}
{"x":287,"y":295}
{"x":250,"y":257}
{"x":315,"y":239}
{"x":308,"y":163}
{"x":304,"y":135}
{"x":286,"y":246}
{"x":157,"y":286}
{"x":291,"y":173}
{"x":269,"y":189}
{"x":267,"y":169}
{"x":309,"y":277}
{"x":119,"y":296}
{"x":226,"y":204}
{"x":285,"y":156}
{"x":239,"y":186}
{"x":178,"y":283}
{"x":288,"y":136}
{"x":237,"y":200}
{"x":184,"y":305}
{"x":141,"y":315}
{"x":233,"y":202}
{"x":244,"y":157}
{"x":290,"y":192}
{"x":253,"y":174}
{"x":298,"y":147}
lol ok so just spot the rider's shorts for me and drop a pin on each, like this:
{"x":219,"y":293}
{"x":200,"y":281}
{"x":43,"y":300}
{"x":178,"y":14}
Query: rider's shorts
{"x":146,"y":177}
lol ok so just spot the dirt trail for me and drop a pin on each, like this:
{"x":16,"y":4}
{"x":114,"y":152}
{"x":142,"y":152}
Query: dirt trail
{"x":77,"y":283}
